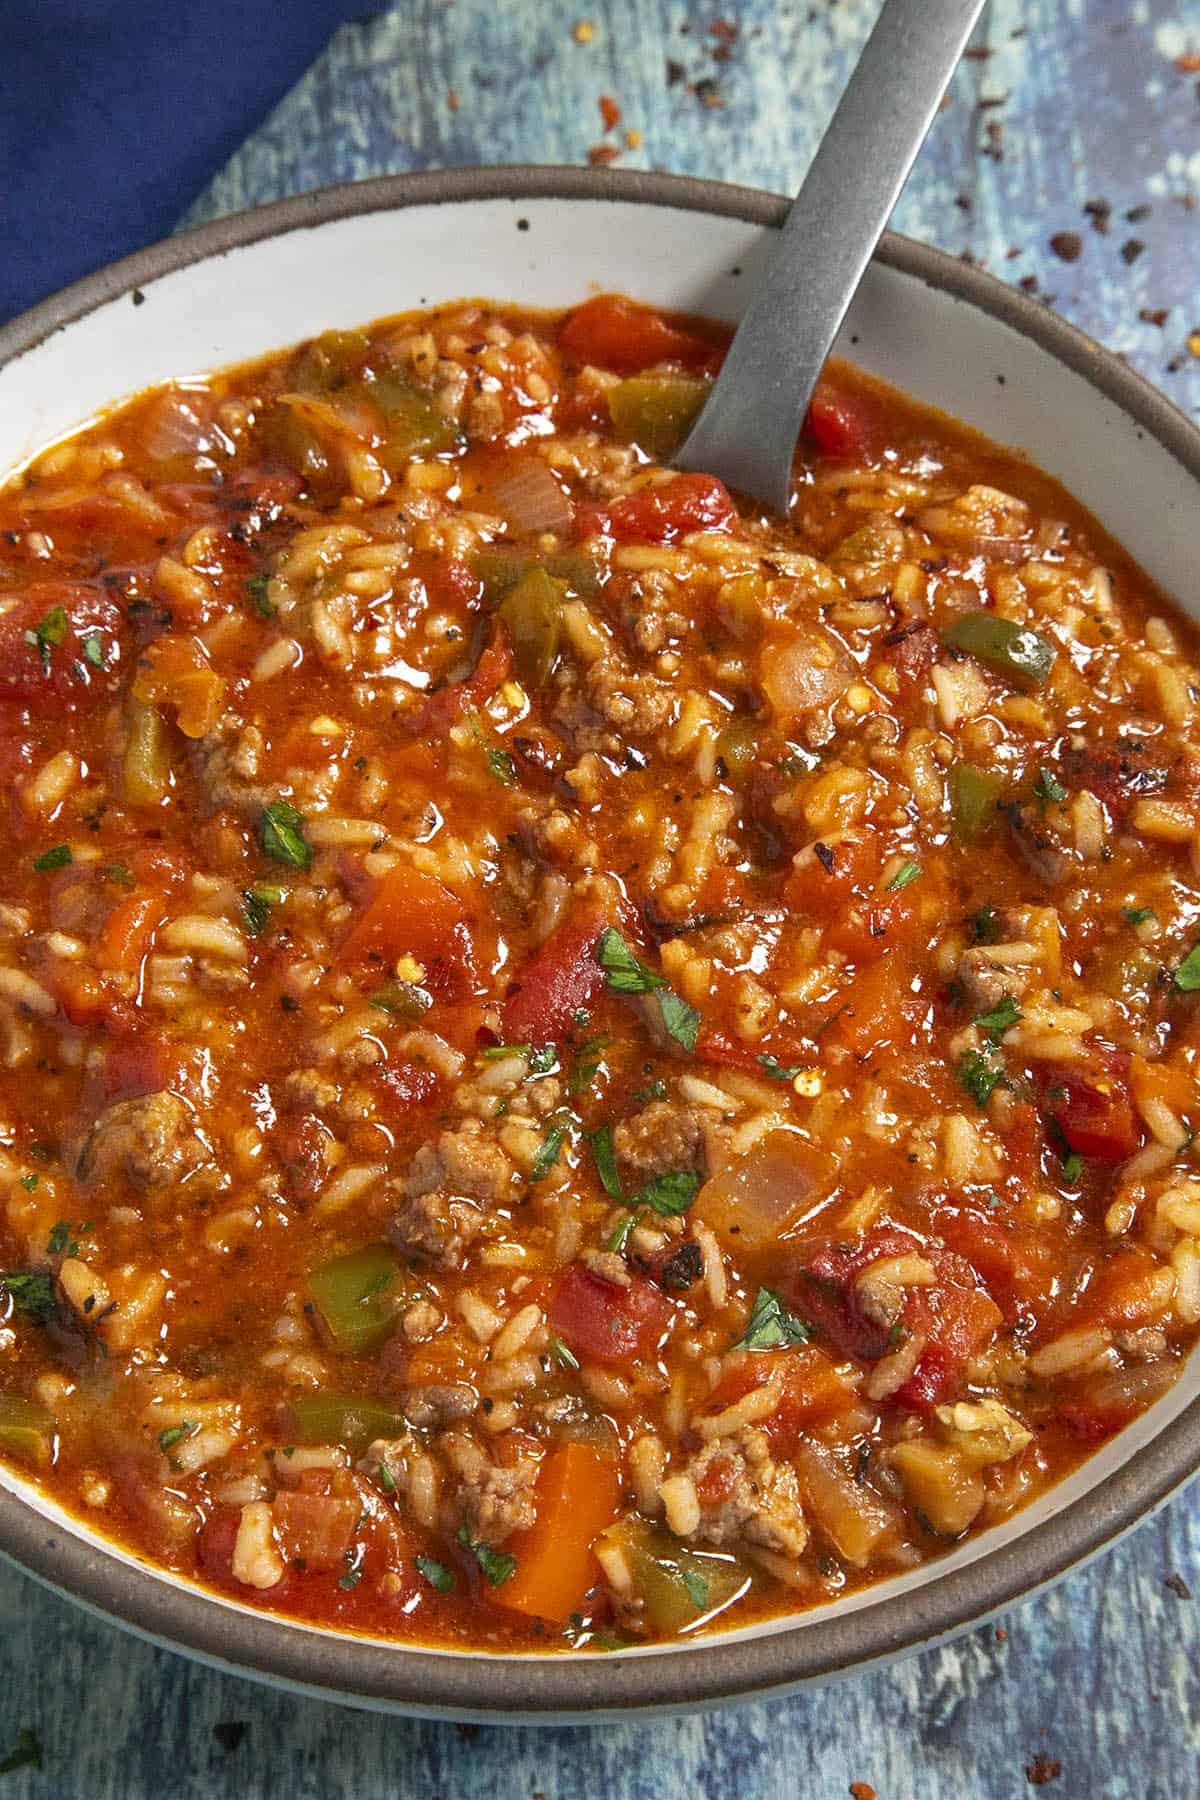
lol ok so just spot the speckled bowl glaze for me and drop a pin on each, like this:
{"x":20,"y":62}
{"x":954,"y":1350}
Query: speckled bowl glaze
{"x":953,"y":337}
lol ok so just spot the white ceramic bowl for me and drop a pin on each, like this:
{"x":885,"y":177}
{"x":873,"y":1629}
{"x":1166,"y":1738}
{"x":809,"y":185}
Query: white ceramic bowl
{"x":951,"y":336}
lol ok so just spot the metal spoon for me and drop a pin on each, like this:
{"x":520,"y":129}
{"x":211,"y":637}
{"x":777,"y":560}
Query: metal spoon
{"x":747,"y":431}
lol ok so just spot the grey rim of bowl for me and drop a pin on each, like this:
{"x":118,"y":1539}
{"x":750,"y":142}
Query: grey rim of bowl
{"x":339,"y":1666}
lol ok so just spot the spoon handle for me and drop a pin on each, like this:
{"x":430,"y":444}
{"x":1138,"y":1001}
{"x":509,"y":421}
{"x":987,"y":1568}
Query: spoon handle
{"x":747,"y":432}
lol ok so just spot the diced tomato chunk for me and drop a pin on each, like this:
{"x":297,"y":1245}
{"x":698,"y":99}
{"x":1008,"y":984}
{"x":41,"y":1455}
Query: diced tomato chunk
{"x":615,"y":333}
{"x":559,"y":979}
{"x":913,"y":650}
{"x":660,"y":514}
{"x":449,"y":703}
{"x":1093,"y":1111}
{"x":956,"y":1317}
{"x":315,"y":1529}
{"x":140,"y":1062}
{"x":604,"y":1322}
{"x":75,"y":662}
{"x":841,"y":422}
{"x":810,"y":1391}
{"x":215,"y":1541}
{"x":129,"y":932}
{"x":413,"y":914}
{"x":822,"y":880}
{"x":876,"y":1010}
{"x":405,"y":1084}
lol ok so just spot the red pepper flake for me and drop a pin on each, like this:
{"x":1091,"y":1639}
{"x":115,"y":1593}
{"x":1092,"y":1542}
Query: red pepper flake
{"x":726,"y":30}
{"x":708,"y":93}
{"x":977,"y":53}
{"x":633,"y":140}
{"x":1131,"y":249}
{"x":861,"y":1790}
{"x":1189,"y":64}
{"x":1001,"y":1635}
{"x":1099,"y":212}
{"x":1178,"y":1586}
{"x":1042,"y":1769}
{"x":601,"y":154}
{"x":610,"y":112}
{"x":1154,"y":315}
{"x":994,"y":147}
{"x":1028,"y":284}
{"x":452,"y":100}
{"x":675,"y":72}
{"x":1068,"y":245}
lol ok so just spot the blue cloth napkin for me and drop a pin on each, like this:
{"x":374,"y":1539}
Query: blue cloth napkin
{"x":114,"y":114}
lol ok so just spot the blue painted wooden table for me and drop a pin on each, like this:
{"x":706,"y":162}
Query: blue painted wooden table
{"x":1066,"y":160}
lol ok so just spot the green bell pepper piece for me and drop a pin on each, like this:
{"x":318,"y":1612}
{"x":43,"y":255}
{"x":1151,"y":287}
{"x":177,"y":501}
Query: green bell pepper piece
{"x":974,"y":796}
{"x":1015,"y":651}
{"x":737,"y":747}
{"x":350,"y":1419}
{"x":415,"y":427}
{"x":328,"y":361}
{"x":532,"y":611}
{"x":355,"y":1297}
{"x":25,"y":1428}
{"x":501,"y":567}
{"x":655,"y":412}
{"x":678,"y":1585}
{"x":292,"y":439}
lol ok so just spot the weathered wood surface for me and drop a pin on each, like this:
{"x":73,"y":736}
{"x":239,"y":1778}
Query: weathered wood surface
{"x":1103,"y":1676}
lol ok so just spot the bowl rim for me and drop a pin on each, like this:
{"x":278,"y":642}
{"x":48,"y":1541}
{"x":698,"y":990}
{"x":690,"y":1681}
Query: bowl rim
{"x":548,"y":1688}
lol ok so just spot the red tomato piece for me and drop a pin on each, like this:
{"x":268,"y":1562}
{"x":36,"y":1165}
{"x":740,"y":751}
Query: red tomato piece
{"x":912,"y":651}
{"x":1093,"y":1111}
{"x":214,"y":1555}
{"x":956,"y":1316}
{"x":449,"y":703}
{"x":406,"y":1084}
{"x":869,"y":927}
{"x":841,"y":422}
{"x":823,"y":882}
{"x":76,"y":661}
{"x":140,"y":1062}
{"x":878,"y":1010}
{"x":1119,"y":779}
{"x":315,"y":1529}
{"x":809,"y":1391}
{"x":412,"y":914}
{"x":560,"y":978}
{"x":659,"y":515}
{"x":618,"y":334}
{"x":604,"y":1322}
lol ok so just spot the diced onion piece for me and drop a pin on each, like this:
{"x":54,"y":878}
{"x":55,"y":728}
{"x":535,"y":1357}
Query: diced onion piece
{"x":172,"y":426}
{"x":857,"y":1521}
{"x":810,"y":670}
{"x":529,"y":497}
{"x":753,"y":1201}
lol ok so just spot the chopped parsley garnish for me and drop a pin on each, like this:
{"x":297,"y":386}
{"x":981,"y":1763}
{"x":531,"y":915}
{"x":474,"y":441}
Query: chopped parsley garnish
{"x":60,"y":1240}
{"x":92,"y":645}
{"x":497,"y":1565}
{"x":697,"y":1589}
{"x":541,"y":1058}
{"x":29,"y":1182}
{"x":587,"y":1063}
{"x":771,"y":1326}
{"x":58,"y":858}
{"x":46,"y":636}
{"x":256,"y":593}
{"x":168,"y":1439}
{"x":626,"y":975}
{"x":657,"y":1090}
{"x":26,"y":1753}
{"x":32,"y":1295}
{"x":562,"y":1356}
{"x":1137,"y":915}
{"x":1048,"y":788}
{"x":256,"y":907}
{"x":777,"y":1071}
{"x":1000,"y":1018}
{"x":979,"y":1076}
{"x":669,"y":1194}
{"x":604,"y":1156}
{"x":680,"y":1019}
{"x":353,"y":1574}
{"x":387,"y":1480}
{"x":620,"y":1235}
{"x":548,"y":1155}
{"x":985,"y":925}
{"x":1072,"y":1168}
{"x":907,"y":872}
{"x":501,"y":765}
{"x":283,"y":835}
{"x":436,"y":1574}
{"x":1187,"y":976}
